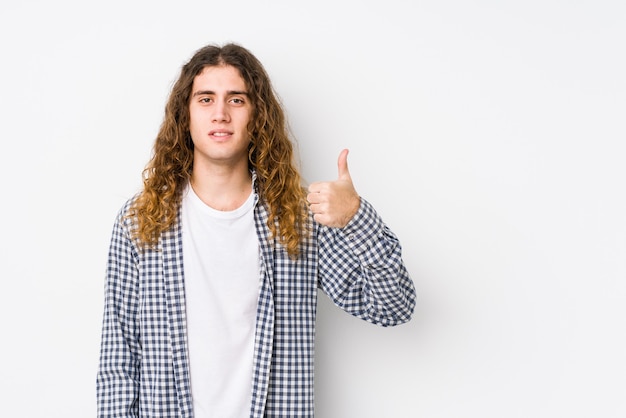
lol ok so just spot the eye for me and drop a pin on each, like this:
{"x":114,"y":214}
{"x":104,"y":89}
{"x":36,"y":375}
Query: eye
{"x":237,"y":100}
{"x":205,"y":100}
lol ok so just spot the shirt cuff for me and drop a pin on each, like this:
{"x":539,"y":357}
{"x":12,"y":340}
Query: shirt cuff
{"x":364,"y":227}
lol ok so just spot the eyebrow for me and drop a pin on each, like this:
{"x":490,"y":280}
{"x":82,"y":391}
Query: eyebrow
{"x":228,"y":93}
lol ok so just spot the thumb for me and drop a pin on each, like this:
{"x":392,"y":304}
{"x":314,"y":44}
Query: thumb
{"x":342,"y":166}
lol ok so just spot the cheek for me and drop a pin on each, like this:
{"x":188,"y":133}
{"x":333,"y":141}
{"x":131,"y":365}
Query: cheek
{"x":246,"y":120}
{"x":195,"y":128}
{"x":195,"y":120}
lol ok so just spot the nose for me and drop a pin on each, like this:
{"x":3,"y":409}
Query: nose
{"x":220,"y":112}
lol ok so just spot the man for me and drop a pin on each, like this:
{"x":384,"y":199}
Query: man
{"x":213,"y":269}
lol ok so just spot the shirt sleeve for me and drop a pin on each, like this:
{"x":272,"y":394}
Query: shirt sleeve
{"x":362,"y":271}
{"x":120,"y":351}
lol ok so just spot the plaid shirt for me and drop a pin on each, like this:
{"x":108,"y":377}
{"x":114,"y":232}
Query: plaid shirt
{"x":144,"y":369}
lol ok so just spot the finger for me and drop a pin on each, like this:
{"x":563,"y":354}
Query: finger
{"x":342,"y":165}
{"x":313,"y":198}
{"x":315,"y":209}
{"x":321,"y":219}
{"x":316,"y":187}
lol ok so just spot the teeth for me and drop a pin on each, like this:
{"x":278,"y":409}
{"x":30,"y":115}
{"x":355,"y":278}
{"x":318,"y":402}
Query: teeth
{"x":220,"y":134}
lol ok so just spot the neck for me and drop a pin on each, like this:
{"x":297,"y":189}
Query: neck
{"x":222,"y":188}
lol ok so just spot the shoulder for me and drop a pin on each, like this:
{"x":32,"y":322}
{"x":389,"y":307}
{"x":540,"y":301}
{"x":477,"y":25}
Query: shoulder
{"x":127,"y":213}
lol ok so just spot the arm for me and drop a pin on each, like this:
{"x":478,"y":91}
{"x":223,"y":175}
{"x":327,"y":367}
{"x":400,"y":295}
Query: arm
{"x":360,"y":259}
{"x":361,"y":269}
{"x":120,"y":352}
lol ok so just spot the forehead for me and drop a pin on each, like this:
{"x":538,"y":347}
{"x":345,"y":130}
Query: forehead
{"x":219,"y":78}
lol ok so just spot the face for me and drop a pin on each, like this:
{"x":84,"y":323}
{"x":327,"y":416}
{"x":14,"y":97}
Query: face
{"x":219,"y":112}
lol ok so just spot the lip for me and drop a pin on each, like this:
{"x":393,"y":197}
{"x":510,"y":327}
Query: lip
{"x":220,"y":134}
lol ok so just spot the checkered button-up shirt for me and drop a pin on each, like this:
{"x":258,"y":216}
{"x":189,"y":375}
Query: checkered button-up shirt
{"x":144,"y":369}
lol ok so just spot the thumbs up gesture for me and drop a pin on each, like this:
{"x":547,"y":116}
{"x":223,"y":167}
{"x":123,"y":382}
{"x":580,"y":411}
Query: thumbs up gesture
{"x":334,"y":203}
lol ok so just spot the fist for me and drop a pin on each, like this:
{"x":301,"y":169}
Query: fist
{"x":334,"y":203}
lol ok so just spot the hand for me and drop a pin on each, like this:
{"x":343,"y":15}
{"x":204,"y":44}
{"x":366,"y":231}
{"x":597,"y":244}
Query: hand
{"x":334,"y":203}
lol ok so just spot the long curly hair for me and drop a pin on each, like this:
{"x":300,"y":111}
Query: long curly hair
{"x":270,"y":154}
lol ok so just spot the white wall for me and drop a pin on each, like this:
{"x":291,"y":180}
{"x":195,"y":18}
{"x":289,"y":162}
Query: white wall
{"x":489,"y":134}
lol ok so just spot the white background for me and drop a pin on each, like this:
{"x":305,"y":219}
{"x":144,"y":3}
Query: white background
{"x":488,"y":134}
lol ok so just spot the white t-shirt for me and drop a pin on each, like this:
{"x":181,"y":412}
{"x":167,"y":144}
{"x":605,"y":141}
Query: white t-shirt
{"x":221,"y":261}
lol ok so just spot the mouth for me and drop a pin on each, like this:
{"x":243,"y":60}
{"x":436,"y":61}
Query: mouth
{"x":220,"y":134}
